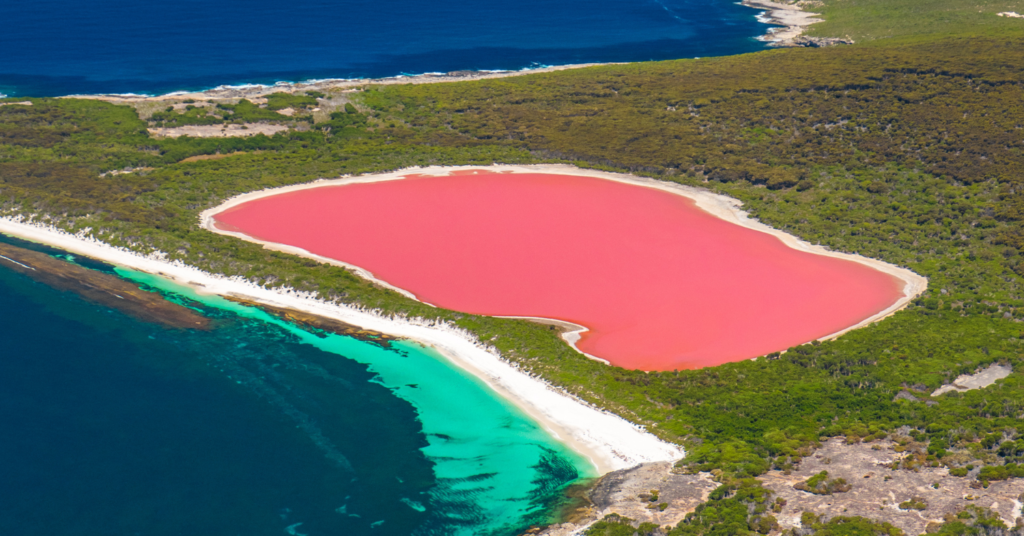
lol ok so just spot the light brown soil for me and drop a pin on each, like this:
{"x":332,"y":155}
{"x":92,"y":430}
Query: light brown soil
{"x":200,"y":157}
{"x":218,"y":131}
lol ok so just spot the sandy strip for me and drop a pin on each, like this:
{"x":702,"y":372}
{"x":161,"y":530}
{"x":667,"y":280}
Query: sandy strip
{"x":720,"y":206}
{"x":608,"y":441}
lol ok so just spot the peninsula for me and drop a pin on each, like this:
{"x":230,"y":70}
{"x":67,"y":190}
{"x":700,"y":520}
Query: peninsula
{"x":900,"y":154}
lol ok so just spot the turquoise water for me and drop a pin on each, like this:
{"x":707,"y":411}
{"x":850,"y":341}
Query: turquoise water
{"x":486,"y":452}
{"x":115,"y":426}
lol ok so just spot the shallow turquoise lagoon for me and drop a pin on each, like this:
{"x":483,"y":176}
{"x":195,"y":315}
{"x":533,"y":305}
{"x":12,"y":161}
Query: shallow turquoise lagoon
{"x":486,"y":452}
{"x":116,"y":426}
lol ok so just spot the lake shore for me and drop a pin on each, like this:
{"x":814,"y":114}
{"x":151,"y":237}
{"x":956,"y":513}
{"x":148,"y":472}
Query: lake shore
{"x":608,"y":441}
{"x":720,"y":206}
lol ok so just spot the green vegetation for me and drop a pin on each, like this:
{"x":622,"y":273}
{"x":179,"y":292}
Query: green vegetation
{"x":868,"y":20}
{"x":820,"y":484}
{"x":247,"y":112}
{"x":846,"y":526}
{"x":190,"y":115}
{"x":914,"y":503}
{"x":929,"y":187}
{"x":280,"y":101}
{"x":972,"y":521}
{"x":616,"y":525}
{"x":911,"y":152}
{"x":737,"y":509}
{"x":244,"y":111}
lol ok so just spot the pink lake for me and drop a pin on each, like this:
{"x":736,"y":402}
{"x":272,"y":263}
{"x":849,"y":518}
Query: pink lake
{"x":660,"y":283}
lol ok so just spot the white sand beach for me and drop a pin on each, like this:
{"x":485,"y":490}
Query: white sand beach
{"x":608,"y":441}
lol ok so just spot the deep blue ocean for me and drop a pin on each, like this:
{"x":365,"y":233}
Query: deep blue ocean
{"x":61,"y":47}
{"x":111,"y":426}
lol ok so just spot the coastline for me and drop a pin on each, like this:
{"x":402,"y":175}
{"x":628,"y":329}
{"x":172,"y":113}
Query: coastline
{"x":720,"y":206}
{"x":608,"y":441}
{"x":792,"y":21}
{"x":249,"y":91}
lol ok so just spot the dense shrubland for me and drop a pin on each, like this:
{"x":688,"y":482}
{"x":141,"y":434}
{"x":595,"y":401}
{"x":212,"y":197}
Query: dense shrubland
{"x":912,"y":153}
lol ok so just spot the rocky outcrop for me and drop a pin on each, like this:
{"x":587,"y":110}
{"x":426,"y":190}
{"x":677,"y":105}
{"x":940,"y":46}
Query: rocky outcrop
{"x":817,"y":42}
{"x":647,"y":493}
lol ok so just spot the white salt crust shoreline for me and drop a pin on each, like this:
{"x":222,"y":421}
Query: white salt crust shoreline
{"x":720,"y":206}
{"x":608,"y":441}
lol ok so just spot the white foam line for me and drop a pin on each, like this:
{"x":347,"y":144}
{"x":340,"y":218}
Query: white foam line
{"x":18,"y":263}
{"x":607,"y":440}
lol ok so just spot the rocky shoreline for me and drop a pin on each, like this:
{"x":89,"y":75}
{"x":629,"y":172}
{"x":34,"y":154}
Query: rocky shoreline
{"x":256,"y":91}
{"x":792,"y":21}
{"x":880,"y":484}
{"x":648,"y":493}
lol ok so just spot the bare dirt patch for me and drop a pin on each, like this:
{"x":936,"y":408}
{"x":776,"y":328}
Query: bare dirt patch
{"x":878,"y":490}
{"x":218,"y":131}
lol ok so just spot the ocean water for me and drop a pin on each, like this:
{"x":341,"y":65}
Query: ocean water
{"x":115,"y":426}
{"x":60,"y":47}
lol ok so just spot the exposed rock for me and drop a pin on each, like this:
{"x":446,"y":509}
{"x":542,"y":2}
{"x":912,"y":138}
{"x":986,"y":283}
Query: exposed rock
{"x":817,"y":42}
{"x":905,"y":395}
{"x":628,"y":493}
{"x":462,"y":74}
{"x":878,"y":490}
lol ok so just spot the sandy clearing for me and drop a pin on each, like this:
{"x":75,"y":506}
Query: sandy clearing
{"x":218,"y":131}
{"x":979,"y":380}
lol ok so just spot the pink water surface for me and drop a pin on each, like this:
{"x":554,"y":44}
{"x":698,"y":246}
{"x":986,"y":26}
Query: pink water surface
{"x":661,"y":284}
